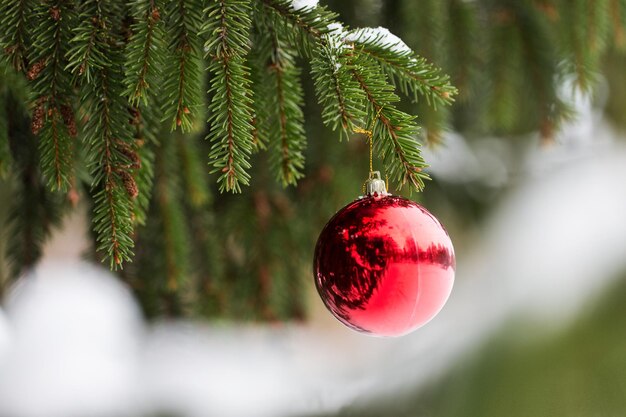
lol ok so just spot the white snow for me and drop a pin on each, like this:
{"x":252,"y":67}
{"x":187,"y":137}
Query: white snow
{"x":75,"y":342}
{"x":336,"y":36}
{"x":302,"y":5}
{"x":335,"y":29}
{"x":5,"y":336}
{"x":380,"y":36}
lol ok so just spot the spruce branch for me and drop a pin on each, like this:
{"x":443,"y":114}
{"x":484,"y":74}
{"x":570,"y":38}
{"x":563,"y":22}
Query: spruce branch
{"x":502,"y":104}
{"x":368,"y":58}
{"x":12,"y":90}
{"x":278,"y":100}
{"x":394,"y":131}
{"x":208,"y":262}
{"x":227,"y":26}
{"x":90,"y":44}
{"x":142,"y":158}
{"x":33,"y":214}
{"x":464,"y":38}
{"x":288,"y":156}
{"x":108,"y":138}
{"x":194,"y":174}
{"x":262,"y":92}
{"x":144,"y":74}
{"x":35,"y":209}
{"x":182,"y":87}
{"x":144,"y":60}
{"x":413,"y":74}
{"x":53,"y":116}
{"x":338,"y":93}
{"x":618,"y":15}
{"x":15,"y":34}
{"x":174,"y":229}
{"x":231,"y":123}
{"x":540,"y":61}
{"x":302,"y":28}
{"x":586,"y":35}
{"x":163,"y":245}
{"x":107,"y":130}
{"x":207,"y":256}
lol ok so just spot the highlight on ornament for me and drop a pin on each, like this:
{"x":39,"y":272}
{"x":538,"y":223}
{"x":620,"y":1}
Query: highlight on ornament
{"x":384,"y":265}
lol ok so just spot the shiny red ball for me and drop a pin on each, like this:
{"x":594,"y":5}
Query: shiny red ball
{"x":384,"y":265}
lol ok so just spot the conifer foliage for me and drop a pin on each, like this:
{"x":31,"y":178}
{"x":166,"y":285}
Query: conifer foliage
{"x":95,"y":66}
{"x":109,"y":101}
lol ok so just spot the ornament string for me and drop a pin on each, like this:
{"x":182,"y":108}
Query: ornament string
{"x":370,"y":138}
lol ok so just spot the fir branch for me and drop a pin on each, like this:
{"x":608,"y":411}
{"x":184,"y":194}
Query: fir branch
{"x":228,"y":23}
{"x":586,"y":32}
{"x":144,"y":61}
{"x":424,"y":24}
{"x":397,"y":146}
{"x":108,"y":138}
{"x":34,"y":210}
{"x":227,"y":28}
{"x":433,"y":124}
{"x":33,"y":214}
{"x":15,"y":35}
{"x":541,"y":63}
{"x":302,"y":29}
{"x":175,"y":232}
{"x":142,"y":159}
{"x":413,"y":74}
{"x":193,"y":173}
{"x":394,"y":131}
{"x":144,"y":178}
{"x":464,"y":37}
{"x":336,"y":90}
{"x":262,"y":90}
{"x":146,"y":115}
{"x":182,"y":88}
{"x":279,"y":98}
{"x":88,"y":51}
{"x":106,"y":131}
{"x":288,"y":157}
{"x":53,"y":117}
{"x":208,"y":262}
{"x":12,"y":89}
{"x":231,"y":127}
{"x":618,"y":15}
{"x":503,"y":99}
{"x":160,"y":272}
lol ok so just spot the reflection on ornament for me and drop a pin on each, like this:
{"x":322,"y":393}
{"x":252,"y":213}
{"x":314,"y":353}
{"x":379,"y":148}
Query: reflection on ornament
{"x":384,"y":265}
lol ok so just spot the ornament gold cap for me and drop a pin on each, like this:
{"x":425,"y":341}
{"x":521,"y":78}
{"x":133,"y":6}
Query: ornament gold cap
{"x":375,"y":185}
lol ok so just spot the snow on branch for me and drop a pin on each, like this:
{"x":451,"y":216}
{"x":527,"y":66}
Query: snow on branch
{"x":300,"y":5}
{"x":379,"y":36}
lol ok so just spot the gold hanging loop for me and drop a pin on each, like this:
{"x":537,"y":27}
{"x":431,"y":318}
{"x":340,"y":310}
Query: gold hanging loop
{"x":370,"y":138}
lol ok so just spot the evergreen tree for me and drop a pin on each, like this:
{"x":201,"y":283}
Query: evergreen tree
{"x":110,"y":101}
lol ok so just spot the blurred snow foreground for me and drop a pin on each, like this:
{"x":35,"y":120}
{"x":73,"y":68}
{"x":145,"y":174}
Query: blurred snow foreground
{"x":72,"y":342}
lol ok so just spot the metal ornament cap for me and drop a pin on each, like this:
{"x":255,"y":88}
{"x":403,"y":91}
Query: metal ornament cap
{"x":375,"y":185}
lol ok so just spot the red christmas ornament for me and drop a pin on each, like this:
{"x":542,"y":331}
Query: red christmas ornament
{"x":383,"y":264}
